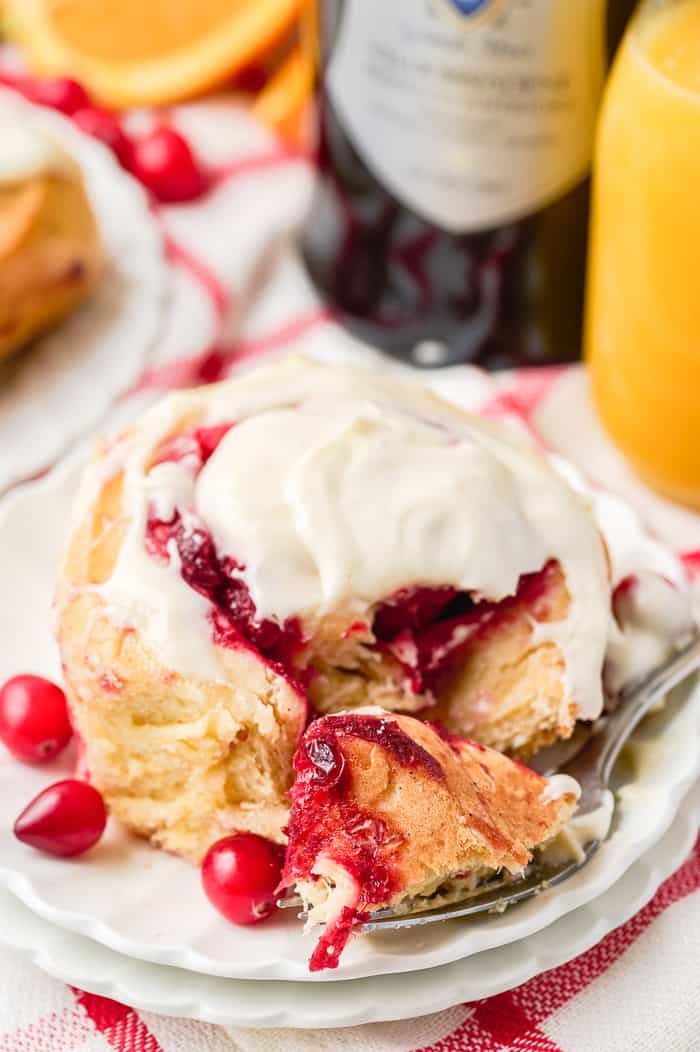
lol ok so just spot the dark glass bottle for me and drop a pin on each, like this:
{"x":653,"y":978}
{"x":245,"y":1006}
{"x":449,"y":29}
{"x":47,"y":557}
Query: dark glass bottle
{"x":450,"y":218}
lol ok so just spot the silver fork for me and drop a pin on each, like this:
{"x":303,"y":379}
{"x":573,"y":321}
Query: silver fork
{"x":592,"y":767}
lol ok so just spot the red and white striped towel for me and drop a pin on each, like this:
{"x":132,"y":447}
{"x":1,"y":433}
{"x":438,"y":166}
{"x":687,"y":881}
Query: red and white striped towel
{"x":239,"y":294}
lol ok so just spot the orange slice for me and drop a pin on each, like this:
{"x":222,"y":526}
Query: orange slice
{"x":142,"y":52}
{"x":284,"y":100}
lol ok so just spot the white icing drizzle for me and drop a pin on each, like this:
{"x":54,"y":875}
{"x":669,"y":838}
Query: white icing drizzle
{"x":336,"y":487}
{"x":579,"y":831}
{"x":654,"y":616}
{"x":25,"y":149}
{"x":559,"y":785}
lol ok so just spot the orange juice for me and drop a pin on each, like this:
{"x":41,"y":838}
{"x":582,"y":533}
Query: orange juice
{"x":643,"y":310}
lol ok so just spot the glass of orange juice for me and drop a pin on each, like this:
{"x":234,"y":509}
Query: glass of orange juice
{"x":643,"y":306}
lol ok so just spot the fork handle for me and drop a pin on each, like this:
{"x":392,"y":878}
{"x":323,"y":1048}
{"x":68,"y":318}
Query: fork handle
{"x":597,"y":758}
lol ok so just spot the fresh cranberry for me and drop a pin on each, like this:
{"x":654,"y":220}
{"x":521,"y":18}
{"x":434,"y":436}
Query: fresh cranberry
{"x":165,"y":164}
{"x":104,"y":125}
{"x":251,"y":79}
{"x":66,"y":819}
{"x":240,"y":874}
{"x":34,"y":722}
{"x":60,"y":93}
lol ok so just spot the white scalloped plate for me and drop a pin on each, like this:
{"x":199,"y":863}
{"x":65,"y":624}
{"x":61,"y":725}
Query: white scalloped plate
{"x":61,"y":386}
{"x":175,"y":992}
{"x":149,"y":905}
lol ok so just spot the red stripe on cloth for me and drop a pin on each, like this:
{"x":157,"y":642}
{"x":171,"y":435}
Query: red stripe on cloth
{"x":289,"y":332}
{"x":505,"y":405}
{"x":215,"y":289}
{"x":215,"y":362}
{"x":203,"y":368}
{"x":691,"y":562}
{"x":530,"y":388}
{"x":56,"y":1030}
{"x":119,"y":1025}
{"x":547,"y":992}
{"x":258,"y":162}
{"x":512,"y":1020}
{"x":508,"y":1024}
{"x":474,"y":1036}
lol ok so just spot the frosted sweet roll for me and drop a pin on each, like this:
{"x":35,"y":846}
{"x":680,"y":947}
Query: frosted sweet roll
{"x":304,"y":540}
{"x":50,"y":253}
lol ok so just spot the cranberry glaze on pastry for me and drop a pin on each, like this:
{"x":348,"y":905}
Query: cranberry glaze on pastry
{"x":387,"y":811}
{"x":303,"y":540}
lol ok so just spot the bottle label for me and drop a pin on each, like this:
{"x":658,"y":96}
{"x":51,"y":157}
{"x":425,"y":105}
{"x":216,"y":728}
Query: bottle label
{"x":472,"y":113}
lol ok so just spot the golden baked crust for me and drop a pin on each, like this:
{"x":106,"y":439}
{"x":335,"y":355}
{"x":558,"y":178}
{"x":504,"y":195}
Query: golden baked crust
{"x":385,"y":809}
{"x":179,"y":760}
{"x":510,"y":692}
{"x":50,"y":255}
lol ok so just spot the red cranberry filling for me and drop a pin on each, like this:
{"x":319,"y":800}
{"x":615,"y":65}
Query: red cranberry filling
{"x":428,"y":630}
{"x":325,"y":818}
{"x":233,"y":614}
{"x":335,"y":939}
{"x":409,"y":610}
{"x":195,"y":446}
{"x":234,"y":617}
{"x":326,"y":758}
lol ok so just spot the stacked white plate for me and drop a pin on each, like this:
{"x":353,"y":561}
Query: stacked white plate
{"x":69,"y":378}
{"x":133,"y":924}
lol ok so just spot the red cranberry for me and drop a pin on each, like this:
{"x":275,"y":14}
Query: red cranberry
{"x":34,"y":722}
{"x":240,"y":874}
{"x":251,"y":79}
{"x":165,"y":164}
{"x":66,"y":819}
{"x":60,"y":93}
{"x":105,"y":126}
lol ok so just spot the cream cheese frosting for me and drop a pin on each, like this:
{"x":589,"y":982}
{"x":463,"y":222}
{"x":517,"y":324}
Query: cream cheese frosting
{"x":654,"y":618}
{"x":26,"y":150}
{"x":335,"y":487}
{"x":570,"y":843}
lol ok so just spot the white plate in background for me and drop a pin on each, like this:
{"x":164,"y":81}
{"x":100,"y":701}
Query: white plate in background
{"x":60,"y":387}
